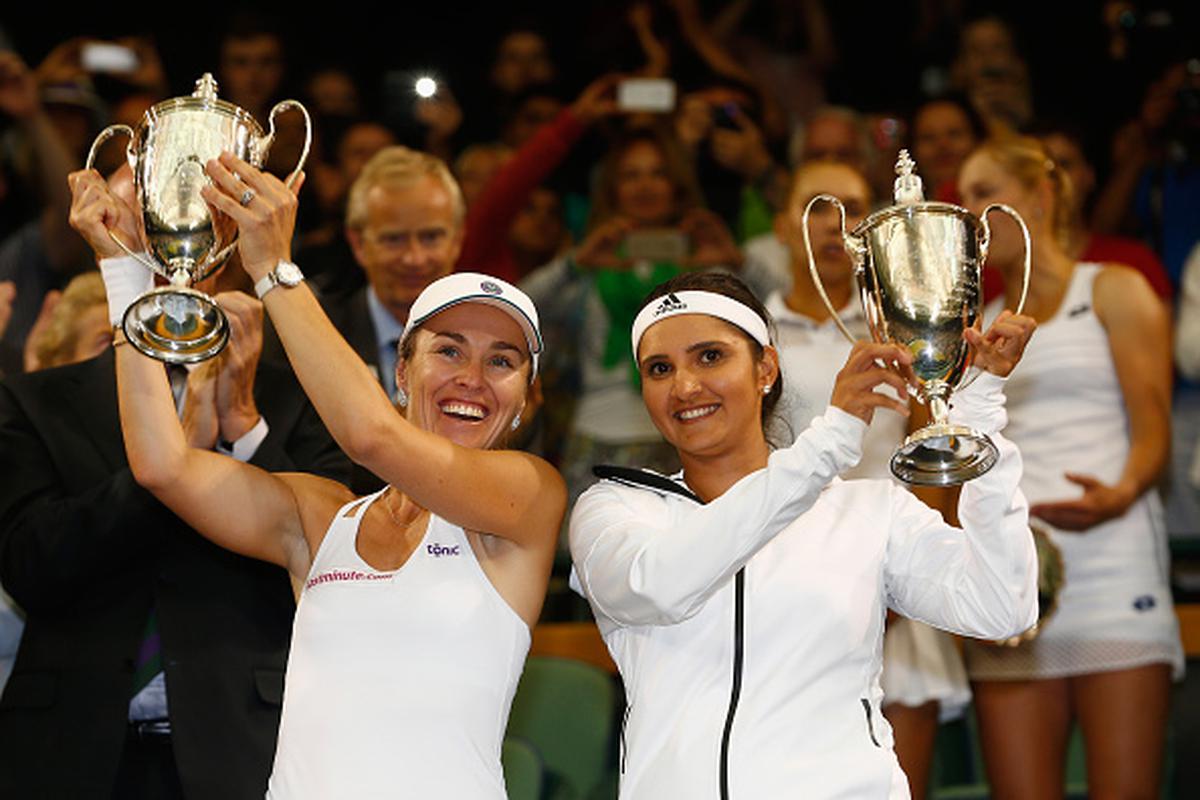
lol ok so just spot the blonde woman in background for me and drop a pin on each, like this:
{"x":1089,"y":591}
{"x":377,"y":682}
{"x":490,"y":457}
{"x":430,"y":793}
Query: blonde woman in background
{"x":1089,"y":408}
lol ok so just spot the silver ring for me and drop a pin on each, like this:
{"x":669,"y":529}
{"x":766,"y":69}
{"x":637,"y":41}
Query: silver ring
{"x":247,"y":196}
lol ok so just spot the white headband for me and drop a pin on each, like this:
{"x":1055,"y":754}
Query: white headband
{"x":700,"y":302}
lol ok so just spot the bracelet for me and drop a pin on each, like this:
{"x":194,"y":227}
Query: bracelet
{"x":119,"y":337}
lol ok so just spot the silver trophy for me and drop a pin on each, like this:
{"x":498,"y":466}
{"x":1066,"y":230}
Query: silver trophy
{"x":919,"y":271}
{"x":184,"y":241}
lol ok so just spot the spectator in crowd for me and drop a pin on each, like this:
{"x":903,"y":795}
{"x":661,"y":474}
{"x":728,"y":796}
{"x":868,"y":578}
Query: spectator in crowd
{"x":404,"y":221}
{"x":325,"y":252}
{"x":1183,"y":490}
{"x":44,"y":253}
{"x":1088,"y":408}
{"x":251,"y":66}
{"x":1153,"y":188}
{"x":149,"y":655}
{"x":515,"y":223}
{"x":834,"y":133}
{"x":477,"y":165}
{"x":1065,"y":146}
{"x":644,"y":186}
{"x":944,"y":132}
{"x":991,"y":72}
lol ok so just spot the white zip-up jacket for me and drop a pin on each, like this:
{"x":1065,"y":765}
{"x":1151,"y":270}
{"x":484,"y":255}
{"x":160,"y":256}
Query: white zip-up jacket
{"x":799,"y":662}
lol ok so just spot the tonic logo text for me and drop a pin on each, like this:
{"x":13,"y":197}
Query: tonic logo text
{"x":438,"y":550}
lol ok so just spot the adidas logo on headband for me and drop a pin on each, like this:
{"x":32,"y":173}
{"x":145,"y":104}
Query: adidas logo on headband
{"x":670,"y":303}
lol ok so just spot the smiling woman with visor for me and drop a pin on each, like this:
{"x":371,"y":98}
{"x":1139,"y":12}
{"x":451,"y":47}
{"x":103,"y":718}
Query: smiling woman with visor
{"x":743,"y":599}
{"x":414,"y":619}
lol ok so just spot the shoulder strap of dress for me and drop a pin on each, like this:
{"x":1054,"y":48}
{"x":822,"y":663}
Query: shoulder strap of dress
{"x":644,"y":479}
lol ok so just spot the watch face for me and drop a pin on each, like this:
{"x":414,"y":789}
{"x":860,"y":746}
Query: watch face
{"x":288,"y":273}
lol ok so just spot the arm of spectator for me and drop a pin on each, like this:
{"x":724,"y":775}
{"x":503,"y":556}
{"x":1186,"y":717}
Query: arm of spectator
{"x":30,"y":355}
{"x":19,"y":99}
{"x":1187,"y":325}
{"x":491,"y":215}
{"x":442,"y":116}
{"x":1114,"y":201}
{"x":658,"y":60}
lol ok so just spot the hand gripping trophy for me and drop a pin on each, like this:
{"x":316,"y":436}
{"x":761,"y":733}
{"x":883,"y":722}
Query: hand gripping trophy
{"x":919,"y":266}
{"x":180,"y":238}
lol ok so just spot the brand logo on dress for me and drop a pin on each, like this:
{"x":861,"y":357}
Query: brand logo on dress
{"x":491,"y":288}
{"x":438,"y":550}
{"x":670,"y":303}
{"x":1079,"y":310}
{"x":1144,"y":603}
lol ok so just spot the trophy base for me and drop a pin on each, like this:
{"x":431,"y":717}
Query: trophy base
{"x":943,"y":455}
{"x":177,"y":325}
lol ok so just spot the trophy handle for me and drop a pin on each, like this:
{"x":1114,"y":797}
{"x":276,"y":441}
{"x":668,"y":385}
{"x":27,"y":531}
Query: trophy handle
{"x":283,"y":105}
{"x":278,"y":108}
{"x":812,"y":262}
{"x":987,"y":238}
{"x":101,"y":138}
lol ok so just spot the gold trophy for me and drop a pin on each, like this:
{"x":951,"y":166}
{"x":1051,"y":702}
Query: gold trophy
{"x":919,"y":271}
{"x":180,"y":238}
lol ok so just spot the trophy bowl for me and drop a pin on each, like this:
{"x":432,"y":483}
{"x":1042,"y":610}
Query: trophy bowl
{"x":919,"y":271}
{"x":181,"y":238}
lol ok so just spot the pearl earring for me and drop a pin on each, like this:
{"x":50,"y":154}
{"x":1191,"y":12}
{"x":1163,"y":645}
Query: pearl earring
{"x":401,"y":397}
{"x":767,"y":389}
{"x":516,"y":423}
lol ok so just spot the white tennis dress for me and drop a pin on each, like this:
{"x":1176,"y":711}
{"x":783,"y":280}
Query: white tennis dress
{"x":399,"y":683}
{"x":1066,"y":413}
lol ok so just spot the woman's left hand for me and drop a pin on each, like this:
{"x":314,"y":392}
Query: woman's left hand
{"x":263,"y":207}
{"x":1000,"y":348}
{"x":1100,"y":502}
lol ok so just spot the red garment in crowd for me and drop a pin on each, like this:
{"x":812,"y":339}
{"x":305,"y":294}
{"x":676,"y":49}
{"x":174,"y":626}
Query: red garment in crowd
{"x":1104,"y":250}
{"x":485,"y":246}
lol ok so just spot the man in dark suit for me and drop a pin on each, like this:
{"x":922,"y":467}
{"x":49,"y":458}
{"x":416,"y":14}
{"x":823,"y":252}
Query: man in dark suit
{"x":114,"y":586}
{"x":404,"y":222}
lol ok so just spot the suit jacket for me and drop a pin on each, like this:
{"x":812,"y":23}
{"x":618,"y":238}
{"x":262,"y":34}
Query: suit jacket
{"x":88,"y":553}
{"x":350,"y":315}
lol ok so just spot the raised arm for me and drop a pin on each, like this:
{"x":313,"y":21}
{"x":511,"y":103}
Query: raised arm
{"x":236,"y":505}
{"x":981,"y":580}
{"x":510,"y":494}
{"x":657,"y":563}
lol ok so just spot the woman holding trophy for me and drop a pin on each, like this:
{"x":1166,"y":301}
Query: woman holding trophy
{"x":414,"y":620}
{"x":743,"y":599}
{"x":1089,"y":409}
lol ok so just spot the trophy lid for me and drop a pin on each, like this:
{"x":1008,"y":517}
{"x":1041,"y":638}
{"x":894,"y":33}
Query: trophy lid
{"x":907,"y":188}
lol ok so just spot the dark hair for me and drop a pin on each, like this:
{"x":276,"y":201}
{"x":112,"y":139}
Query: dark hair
{"x":960,"y":101}
{"x":730,"y":286}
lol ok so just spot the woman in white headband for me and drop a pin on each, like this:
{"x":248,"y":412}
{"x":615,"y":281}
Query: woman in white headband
{"x":744,"y":598}
{"x":417,"y":602}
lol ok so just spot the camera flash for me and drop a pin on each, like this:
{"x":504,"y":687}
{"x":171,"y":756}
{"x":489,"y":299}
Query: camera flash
{"x":425,"y":86}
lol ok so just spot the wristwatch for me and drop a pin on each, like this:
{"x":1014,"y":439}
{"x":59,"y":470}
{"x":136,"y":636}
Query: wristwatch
{"x":285,"y":274}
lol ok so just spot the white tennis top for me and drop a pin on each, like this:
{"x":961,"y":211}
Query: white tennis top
{"x":399,"y":683}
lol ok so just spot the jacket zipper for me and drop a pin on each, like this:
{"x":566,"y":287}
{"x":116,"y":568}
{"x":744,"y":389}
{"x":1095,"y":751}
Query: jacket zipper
{"x":739,"y":614}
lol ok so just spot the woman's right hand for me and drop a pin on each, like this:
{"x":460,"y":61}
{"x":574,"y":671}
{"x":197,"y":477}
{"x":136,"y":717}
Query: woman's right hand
{"x":599,"y":248}
{"x":854,"y":389}
{"x":97,"y":208}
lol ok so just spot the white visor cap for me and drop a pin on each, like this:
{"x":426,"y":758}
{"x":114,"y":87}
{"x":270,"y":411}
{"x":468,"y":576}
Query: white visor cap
{"x":475,"y":287}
